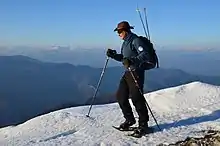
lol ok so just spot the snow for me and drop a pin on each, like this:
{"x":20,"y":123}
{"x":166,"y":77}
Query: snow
{"x":180,"y":111}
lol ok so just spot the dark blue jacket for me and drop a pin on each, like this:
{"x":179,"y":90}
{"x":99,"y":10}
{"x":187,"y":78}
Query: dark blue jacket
{"x":133,"y":49}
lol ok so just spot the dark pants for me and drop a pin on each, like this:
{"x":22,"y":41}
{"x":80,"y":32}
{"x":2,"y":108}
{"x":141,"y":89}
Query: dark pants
{"x":126,"y":86}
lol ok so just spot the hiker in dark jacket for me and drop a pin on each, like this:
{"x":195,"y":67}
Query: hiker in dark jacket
{"x":132,"y":55}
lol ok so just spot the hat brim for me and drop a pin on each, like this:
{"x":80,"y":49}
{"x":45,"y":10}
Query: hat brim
{"x":116,"y":29}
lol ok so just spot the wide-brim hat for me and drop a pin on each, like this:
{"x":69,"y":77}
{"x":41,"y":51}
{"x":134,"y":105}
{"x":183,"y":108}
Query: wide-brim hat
{"x":123,"y":25}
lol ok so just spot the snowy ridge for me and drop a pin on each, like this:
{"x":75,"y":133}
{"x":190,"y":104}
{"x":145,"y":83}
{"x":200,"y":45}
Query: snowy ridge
{"x":192,"y":95}
{"x":180,"y":112}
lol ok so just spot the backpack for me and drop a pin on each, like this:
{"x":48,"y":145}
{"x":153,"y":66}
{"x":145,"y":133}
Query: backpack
{"x":154,"y":59}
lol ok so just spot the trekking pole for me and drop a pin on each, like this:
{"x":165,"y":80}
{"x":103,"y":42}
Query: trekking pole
{"x":145,"y":14}
{"x":100,"y":79}
{"x":136,"y":83}
{"x":141,"y":21}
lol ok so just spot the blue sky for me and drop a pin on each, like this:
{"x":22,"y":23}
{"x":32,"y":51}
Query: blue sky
{"x":90,"y":23}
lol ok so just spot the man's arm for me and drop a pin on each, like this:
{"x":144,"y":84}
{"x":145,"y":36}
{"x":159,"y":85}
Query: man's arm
{"x":118,"y":57}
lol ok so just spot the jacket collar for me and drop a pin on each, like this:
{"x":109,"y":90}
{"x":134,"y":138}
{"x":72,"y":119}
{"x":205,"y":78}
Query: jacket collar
{"x":129,"y":36}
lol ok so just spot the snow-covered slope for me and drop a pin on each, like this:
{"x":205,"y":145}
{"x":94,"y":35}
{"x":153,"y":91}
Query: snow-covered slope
{"x":180,"y":112}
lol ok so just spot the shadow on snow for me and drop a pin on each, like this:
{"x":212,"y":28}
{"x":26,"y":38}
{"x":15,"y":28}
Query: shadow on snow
{"x":190,"y":121}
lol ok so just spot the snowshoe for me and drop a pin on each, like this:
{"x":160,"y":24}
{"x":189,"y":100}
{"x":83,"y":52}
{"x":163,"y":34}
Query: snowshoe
{"x":125,"y":129}
{"x":139,"y":132}
{"x":126,"y":126}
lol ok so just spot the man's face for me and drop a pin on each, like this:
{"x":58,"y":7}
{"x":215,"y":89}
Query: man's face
{"x":121,"y":34}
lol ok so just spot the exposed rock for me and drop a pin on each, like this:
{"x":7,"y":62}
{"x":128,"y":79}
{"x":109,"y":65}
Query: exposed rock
{"x":211,"y":138}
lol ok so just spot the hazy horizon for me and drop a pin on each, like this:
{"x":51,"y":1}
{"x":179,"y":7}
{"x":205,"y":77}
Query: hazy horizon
{"x":198,"y":62}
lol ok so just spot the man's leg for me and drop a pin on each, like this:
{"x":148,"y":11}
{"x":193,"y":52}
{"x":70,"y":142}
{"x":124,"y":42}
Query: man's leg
{"x":122,"y":97}
{"x":138,"y":98}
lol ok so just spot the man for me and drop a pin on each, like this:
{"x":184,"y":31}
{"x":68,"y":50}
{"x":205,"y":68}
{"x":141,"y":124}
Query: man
{"x":132,"y":55}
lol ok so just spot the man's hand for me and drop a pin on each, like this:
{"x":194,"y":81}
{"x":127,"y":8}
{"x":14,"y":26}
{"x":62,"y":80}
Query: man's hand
{"x":126,"y":62}
{"x":111,"y":53}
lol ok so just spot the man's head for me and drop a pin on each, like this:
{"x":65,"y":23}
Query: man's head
{"x":123,"y":28}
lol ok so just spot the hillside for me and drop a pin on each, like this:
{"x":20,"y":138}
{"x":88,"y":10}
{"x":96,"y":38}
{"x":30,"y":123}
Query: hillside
{"x":181,"y":111}
{"x":28,"y":84}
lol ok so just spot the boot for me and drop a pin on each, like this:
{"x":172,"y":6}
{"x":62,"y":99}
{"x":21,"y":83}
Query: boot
{"x":127,"y":124}
{"x":141,"y":130}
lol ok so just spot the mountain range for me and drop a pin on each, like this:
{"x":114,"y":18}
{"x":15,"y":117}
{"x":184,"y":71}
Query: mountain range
{"x":39,"y":87}
{"x":193,"y":61}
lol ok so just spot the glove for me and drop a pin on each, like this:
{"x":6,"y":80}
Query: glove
{"x":111,"y":53}
{"x":126,"y":62}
